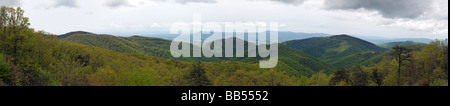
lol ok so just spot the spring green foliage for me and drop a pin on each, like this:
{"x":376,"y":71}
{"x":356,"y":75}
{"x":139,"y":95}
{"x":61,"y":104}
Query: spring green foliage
{"x":426,"y":67}
{"x":36,"y":58}
{"x":340,"y":51}
{"x":291,"y":61}
{"x":363,"y":58}
{"x":4,"y":69}
{"x":148,"y":46}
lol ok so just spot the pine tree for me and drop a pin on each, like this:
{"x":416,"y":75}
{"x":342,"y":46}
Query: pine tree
{"x":376,"y":77}
{"x":401,"y":54}
{"x":197,"y":75}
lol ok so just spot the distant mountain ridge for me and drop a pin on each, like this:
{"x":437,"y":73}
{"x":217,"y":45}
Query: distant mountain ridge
{"x":73,"y":33}
{"x":383,"y":40}
{"x":288,"y":36}
{"x":282,"y":36}
{"x":393,"y":44}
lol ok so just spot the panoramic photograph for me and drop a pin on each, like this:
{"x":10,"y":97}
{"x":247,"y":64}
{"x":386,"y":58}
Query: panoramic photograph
{"x":224,"y":43}
{"x":224,"y":51}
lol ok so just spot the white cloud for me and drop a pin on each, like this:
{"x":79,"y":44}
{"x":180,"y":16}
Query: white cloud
{"x":132,"y":3}
{"x":282,"y":25}
{"x":195,"y":1}
{"x":307,"y":16}
{"x":10,"y":2}
{"x":155,"y":25}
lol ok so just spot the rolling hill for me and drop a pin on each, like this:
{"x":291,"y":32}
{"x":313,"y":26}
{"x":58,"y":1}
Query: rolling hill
{"x":290,"y":60}
{"x":339,"y":51}
{"x":119,"y":44}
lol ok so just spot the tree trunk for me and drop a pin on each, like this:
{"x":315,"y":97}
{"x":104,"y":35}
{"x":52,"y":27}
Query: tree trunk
{"x":398,"y":78}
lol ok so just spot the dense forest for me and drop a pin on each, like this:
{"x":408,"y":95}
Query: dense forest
{"x":37,"y":58}
{"x":339,"y":51}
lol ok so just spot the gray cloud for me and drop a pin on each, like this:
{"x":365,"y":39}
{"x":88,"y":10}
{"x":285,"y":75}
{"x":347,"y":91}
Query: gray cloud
{"x":10,"y":2}
{"x":387,"y":8}
{"x":195,"y":1}
{"x":117,"y":3}
{"x":66,"y":3}
{"x":125,"y":3}
{"x":294,"y":2}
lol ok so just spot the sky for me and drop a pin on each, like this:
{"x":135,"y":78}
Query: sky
{"x":380,"y":18}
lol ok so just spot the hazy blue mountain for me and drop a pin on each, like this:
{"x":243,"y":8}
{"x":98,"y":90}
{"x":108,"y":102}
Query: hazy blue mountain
{"x":288,"y":36}
{"x":383,"y":40}
{"x":393,"y":44}
{"x":283,"y":36}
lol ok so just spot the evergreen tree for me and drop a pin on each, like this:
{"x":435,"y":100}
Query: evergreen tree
{"x":376,"y":77}
{"x":197,"y":75}
{"x":401,"y":54}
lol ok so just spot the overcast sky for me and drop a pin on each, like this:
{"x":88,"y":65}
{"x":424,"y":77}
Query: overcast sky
{"x":383,"y":18}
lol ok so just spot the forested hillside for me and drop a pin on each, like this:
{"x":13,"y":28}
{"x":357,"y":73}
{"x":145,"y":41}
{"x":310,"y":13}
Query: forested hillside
{"x":121,"y":44}
{"x":335,"y":49}
{"x":370,"y":57}
{"x":291,"y":61}
{"x":427,"y":66}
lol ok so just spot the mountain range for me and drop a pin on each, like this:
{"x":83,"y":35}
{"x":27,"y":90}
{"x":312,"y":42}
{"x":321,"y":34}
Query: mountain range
{"x":290,"y":60}
{"x":335,"y":48}
{"x":288,"y":36}
{"x":299,"y":57}
{"x":393,"y":44}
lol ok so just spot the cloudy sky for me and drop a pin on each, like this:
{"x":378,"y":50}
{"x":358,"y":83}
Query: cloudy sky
{"x":383,"y":18}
